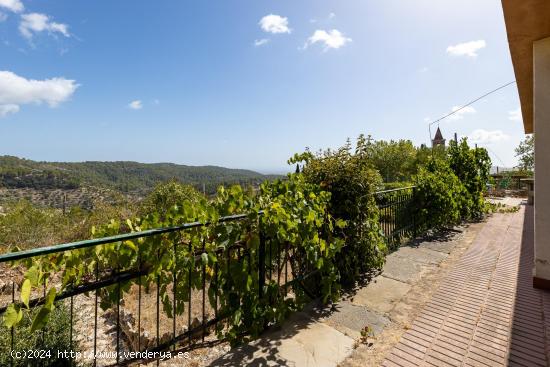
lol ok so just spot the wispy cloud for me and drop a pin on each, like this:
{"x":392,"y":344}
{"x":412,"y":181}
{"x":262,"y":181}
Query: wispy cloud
{"x":469,"y":49}
{"x":16,"y":90}
{"x":3,"y":16}
{"x":15,"y":6}
{"x":135,"y":105}
{"x":331,"y":39}
{"x":8,"y":109}
{"x":481,"y":136}
{"x":515,"y":115}
{"x":274,"y":24}
{"x":469,"y":110}
{"x":261,"y":42}
{"x":330,"y":17}
{"x":36,"y":22}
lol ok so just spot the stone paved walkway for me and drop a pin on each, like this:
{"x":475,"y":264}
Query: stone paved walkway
{"x":486,"y":312}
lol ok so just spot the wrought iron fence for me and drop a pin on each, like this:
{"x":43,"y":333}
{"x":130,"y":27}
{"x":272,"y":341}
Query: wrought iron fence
{"x":274,"y":265}
{"x":397,"y":215}
{"x":150,"y":330}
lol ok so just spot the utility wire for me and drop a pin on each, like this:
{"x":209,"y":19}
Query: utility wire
{"x":491,"y":151}
{"x":467,"y":104}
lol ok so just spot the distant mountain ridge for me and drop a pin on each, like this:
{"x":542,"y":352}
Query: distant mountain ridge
{"x":124,"y":176}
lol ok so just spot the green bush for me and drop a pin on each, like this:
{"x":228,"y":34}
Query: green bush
{"x":450,"y":188}
{"x":25,"y":226}
{"x":55,"y":337}
{"x":351,"y":180}
{"x":166,"y":195}
{"x":439,"y":196}
{"x":471,"y":166}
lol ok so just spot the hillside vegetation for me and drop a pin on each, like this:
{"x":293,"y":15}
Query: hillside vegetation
{"x":57,"y":183}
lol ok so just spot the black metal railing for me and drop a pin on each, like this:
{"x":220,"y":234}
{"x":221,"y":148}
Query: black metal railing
{"x":275,"y":265}
{"x":397,"y":213}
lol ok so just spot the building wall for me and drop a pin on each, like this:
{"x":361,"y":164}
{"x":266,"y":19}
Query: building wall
{"x":541,"y":53}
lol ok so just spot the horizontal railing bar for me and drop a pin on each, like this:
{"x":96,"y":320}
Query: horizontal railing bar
{"x":12,"y":256}
{"x":382,"y":206}
{"x":394,"y":190}
{"x":71,"y":292}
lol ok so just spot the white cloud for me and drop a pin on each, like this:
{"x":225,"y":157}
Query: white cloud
{"x":481,"y":136}
{"x":261,"y":42}
{"x":466,"y":49}
{"x":16,"y":90}
{"x":423,"y":69}
{"x":8,"y":109}
{"x":136,"y":105}
{"x":331,"y":16}
{"x":36,"y":22}
{"x":331,"y":39}
{"x":515,"y":115}
{"x":469,"y":110}
{"x":15,"y":6}
{"x":274,"y":24}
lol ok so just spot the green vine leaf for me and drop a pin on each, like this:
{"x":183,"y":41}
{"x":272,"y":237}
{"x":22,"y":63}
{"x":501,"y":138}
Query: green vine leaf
{"x":26,"y":292}
{"x":50,"y":298}
{"x":40,"y":319}
{"x":13,"y":315}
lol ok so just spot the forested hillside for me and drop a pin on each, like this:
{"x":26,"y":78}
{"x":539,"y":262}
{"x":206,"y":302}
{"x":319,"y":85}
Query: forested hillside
{"x":122,"y":176}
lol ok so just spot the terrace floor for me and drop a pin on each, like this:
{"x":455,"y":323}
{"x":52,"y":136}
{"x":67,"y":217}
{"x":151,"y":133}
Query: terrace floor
{"x":486,"y":311}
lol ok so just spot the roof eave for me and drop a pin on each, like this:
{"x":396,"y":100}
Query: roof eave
{"x":526,"y":21}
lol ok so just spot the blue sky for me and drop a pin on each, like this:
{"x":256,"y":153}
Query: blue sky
{"x":247,"y":83}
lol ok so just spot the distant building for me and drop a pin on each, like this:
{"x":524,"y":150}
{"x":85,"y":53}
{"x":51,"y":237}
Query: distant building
{"x":438,"y":139}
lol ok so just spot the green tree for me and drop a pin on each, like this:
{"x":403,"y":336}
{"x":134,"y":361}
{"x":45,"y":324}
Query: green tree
{"x":168,"y":194}
{"x":395,"y":160}
{"x":526,"y":153}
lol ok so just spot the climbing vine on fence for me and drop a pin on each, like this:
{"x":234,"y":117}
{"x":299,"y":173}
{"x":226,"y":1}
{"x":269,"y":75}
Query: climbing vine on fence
{"x":222,"y":255}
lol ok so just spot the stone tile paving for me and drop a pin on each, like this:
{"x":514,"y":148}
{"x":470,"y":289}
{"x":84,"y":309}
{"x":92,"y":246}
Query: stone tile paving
{"x":486,"y":311}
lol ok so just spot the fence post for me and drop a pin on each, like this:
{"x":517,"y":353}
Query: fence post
{"x":261,"y":260}
{"x":414,"y":210}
